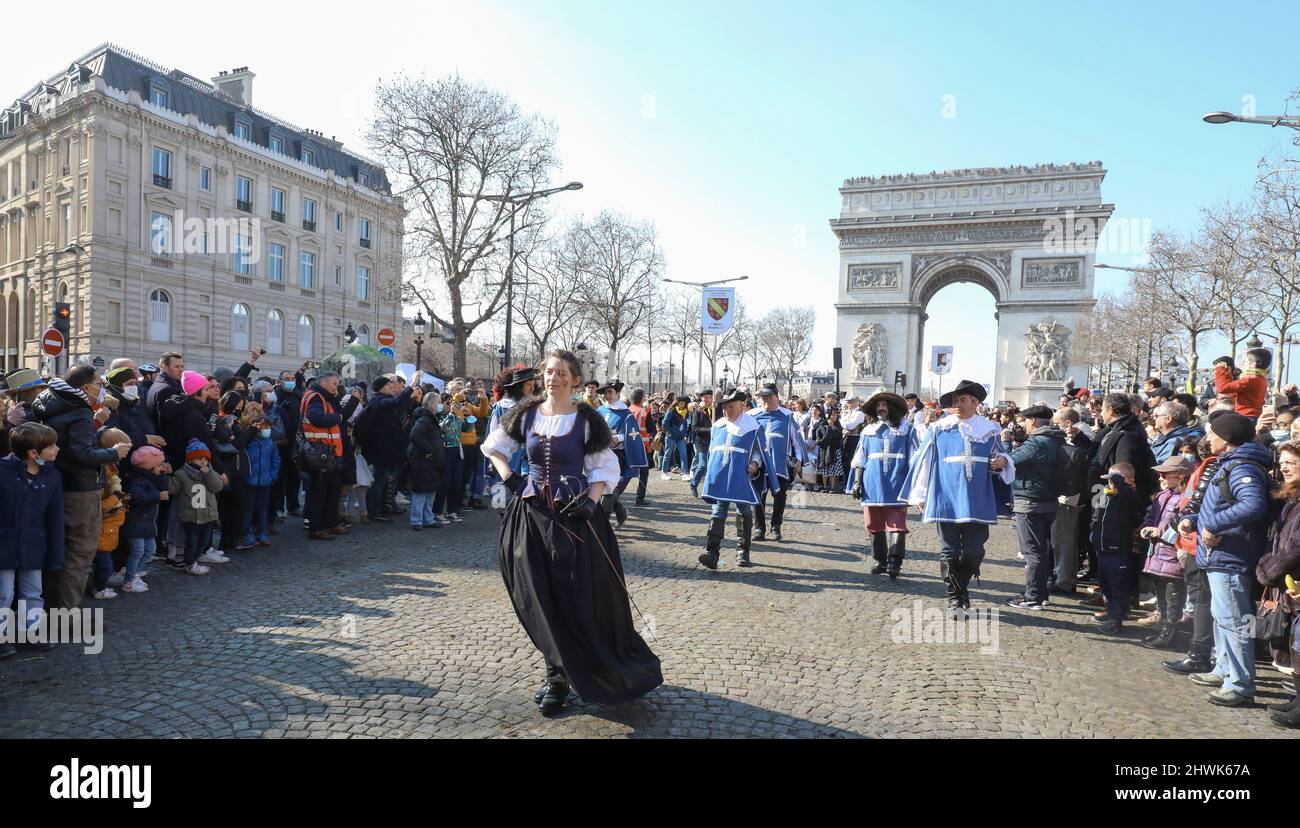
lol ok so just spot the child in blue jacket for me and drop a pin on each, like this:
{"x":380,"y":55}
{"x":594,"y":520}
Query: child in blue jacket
{"x":31,"y":525}
{"x":147,"y":486}
{"x":263,"y":471}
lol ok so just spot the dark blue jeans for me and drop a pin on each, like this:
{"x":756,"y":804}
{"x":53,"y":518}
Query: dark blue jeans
{"x":375,"y":494}
{"x":451,"y":492}
{"x":198,"y":539}
{"x":1113,"y":575}
{"x":964,"y":542}
{"x":257,"y":518}
{"x":103,"y":569}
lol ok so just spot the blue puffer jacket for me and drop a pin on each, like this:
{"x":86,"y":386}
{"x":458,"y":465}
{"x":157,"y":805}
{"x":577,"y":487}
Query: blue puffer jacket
{"x":263,"y":462}
{"x":1242,"y":526}
{"x":675,"y":425}
{"x":31,"y":516}
{"x":146,"y":490}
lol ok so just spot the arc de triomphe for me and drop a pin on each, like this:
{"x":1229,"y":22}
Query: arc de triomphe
{"x":1027,"y":234}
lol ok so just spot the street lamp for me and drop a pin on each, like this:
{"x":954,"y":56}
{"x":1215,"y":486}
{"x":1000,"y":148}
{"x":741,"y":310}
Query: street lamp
{"x":1269,"y":120}
{"x":502,"y":352}
{"x":517,"y":200}
{"x":349,"y":335}
{"x":726,"y":375}
{"x":419,"y":339}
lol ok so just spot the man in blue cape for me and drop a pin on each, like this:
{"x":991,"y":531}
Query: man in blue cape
{"x":735,"y":459}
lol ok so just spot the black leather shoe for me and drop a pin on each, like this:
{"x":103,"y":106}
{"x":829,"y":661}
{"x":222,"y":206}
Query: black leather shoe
{"x":760,"y":535}
{"x":879,"y":568}
{"x":554,"y":698}
{"x":382,"y":519}
{"x":709,"y":559}
{"x":776,"y":533}
{"x":1186,"y":666}
{"x":1056,"y":590}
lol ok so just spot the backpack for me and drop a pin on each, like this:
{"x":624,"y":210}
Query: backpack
{"x":361,"y":428}
{"x":1225,"y":487}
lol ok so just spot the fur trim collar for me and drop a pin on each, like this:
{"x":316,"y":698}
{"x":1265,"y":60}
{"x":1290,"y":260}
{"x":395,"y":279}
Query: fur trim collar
{"x":599,"y":436}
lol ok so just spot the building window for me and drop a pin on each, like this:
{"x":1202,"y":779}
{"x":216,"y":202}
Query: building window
{"x":243,"y":255}
{"x":275,"y":332}
{"x":162,"y":167}
{"x":308,"y":156}
{"x":338,"y":222}
{"x":309,"y":214}
{"x":307,"y":269}
{"x":275,"y":257}
{"x":33,"y":314}
{"x":160,"y":98}
{"x":363,"y":335}
{"x":115,"y":318}
{"x":240,"y":328}
{"x":244,"y":193}
{"x":277,"y":144}
{"x":363,"y":282}
{"x":242,"y":131}
{"x":160,"y":316}
{"x":205,"y":179}
{"x":338,"y":276}
{"x":277,"y":204}
{"x":205,"y":329}
{"x":67,"y":224}
{"x":160,"y":235}
{"x":305,"y":335}
{"x":365,"y":232}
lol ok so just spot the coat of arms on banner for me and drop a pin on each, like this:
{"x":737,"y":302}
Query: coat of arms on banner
{"x":718,"y":307}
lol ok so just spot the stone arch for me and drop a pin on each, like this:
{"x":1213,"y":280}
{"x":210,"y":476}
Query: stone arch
{"x":953,"y":270}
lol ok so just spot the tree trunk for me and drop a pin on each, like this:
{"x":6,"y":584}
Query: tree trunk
{"x":1192,"y":361}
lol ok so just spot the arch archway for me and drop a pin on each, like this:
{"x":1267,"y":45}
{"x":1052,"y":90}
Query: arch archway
{"x":956,"y":270}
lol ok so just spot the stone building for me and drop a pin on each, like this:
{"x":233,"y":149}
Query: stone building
{"x":172,"y":215}
{"x":812,"y":385}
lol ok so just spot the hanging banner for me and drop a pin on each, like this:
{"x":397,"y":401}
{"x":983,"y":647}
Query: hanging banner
{"x":941,"y":359}
{"x":718,"y":309}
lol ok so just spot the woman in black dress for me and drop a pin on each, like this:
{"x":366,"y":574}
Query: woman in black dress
{"x":558,"y":554}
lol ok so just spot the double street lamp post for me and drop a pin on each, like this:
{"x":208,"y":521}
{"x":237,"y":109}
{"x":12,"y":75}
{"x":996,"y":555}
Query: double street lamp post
{"x":699,"y":365}
{"x":419,"y":340}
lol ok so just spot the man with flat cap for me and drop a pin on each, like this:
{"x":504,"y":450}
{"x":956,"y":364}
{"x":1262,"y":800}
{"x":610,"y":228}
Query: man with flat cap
{"x":735,"y":460}
{"x":1040,"y":469}
{"x":628,"y":447}
{"x":879,"y":467}
{"x":783,"y":453}
{"x":951,"y":481}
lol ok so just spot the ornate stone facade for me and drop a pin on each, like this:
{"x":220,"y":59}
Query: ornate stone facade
{"x":874,"y":277}
{"x":1047,"y":352}
{"x":1051,"y":272}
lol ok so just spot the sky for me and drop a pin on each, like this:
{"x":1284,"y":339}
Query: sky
{"x":731,"y":126}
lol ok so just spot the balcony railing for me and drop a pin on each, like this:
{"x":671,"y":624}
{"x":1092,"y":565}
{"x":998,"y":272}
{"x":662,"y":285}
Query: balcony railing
{"x":67,"y":170}
{"x":162,"y":181}
{"x":246,"y":206}
{"x":365,"y":243}
{"x":309,"y":225}
{"x":277,"y":215}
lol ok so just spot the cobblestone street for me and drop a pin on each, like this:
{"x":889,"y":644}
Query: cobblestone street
{"x":388,"y":633}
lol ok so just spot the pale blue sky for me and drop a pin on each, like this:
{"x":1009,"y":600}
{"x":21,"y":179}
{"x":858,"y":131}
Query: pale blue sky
{"x":732,"y":125}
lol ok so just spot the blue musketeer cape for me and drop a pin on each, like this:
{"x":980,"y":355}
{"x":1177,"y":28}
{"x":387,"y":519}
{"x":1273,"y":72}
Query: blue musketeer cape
{"x":519,"y":460}
{"x":628,"y":445}
{"x":951,"y":473}
{"x":777,"y":445}
{"x":884,"y":456}
{"x":731,"y":448}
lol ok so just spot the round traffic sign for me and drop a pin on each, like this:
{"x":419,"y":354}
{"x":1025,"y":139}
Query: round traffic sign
{"x":52,"y":342}
{"x":388,"y":352}
{"x":386,"y":337}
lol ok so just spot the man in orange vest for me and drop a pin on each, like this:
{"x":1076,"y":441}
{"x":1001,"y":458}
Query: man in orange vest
{"x":639,"y":413}
{"x":321,"y":423}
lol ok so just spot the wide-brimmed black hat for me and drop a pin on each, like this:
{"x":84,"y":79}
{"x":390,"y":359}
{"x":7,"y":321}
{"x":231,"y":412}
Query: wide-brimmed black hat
{"x":897,"y":405}
{"x":768,"y":390}
{"x":610,"y":383}
{"x":1037,"y":412}
{"x":734,"y":395}
{"x":520,"y":376}
{"x":975,"y":389}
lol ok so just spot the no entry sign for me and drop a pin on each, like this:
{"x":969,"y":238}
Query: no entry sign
{"x":52,"y":342}
{"x":386,"y":337}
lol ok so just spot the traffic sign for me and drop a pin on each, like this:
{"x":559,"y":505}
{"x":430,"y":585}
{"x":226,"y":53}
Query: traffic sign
{"x":52,"y":342}
{"x":388,"y":352}
{"x":386,"y":337}
{"x":97,"y":362}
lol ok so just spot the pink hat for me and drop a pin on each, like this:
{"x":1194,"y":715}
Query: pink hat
{"x":147,"y":458}
{"x":192,"y":382}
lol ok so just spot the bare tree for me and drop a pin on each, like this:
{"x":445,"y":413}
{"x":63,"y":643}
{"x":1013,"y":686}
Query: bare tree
{"x":623,"y":262}
{"x":788,"y":334}
{"x":553,"y":275}
{"x":1184,"y":294}
{"x":682,"y":324}
{"x":1276,"y":245}
{"x":1223,"y":249}
{"x":450,"y":144}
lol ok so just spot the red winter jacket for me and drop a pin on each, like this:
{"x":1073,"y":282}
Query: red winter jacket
{"x":1249,"y":391}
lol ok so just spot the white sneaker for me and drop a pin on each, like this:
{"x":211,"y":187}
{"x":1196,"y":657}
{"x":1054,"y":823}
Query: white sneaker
{"x":213,"y":557}
{"x":1286,"y":671}
{"x":399,"y":500}
{"x":136,"y":584}
{"x":665,"y":476}
{"x":117,"y":578}
{"x":106,"y":592}
{"x":684,"y":478}
{"x":454,"y":518}
{"x":197,"y":569}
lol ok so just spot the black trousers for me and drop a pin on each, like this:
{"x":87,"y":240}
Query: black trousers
{"x":290,"y":482}
{"x":642,"y":479}
{"x":1198,"y":588}
{"x":778,"y":506}
{"x":231,"y":504}
{"x":964,"y":542}
{"x":323,"y":500}
{"x":1034,"y":530}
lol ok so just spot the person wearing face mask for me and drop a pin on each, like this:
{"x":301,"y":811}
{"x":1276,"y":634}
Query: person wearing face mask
{"x":288,"y":400}
{"x":130,"y":415}
{"x":66,"y":407}
{"x":31,"y":525}
{"x":263,"y":471}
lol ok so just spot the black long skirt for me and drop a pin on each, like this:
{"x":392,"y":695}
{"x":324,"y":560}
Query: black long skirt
{"x":570,"y":600}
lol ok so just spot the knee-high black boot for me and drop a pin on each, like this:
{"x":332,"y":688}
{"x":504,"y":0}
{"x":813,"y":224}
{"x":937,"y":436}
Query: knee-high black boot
{"x":880,"y":552}
{"x":948,"y":571}
{"x":717,"y":528}
{"x":1287,"y":707}
{"x":897,"y":551}
{"x":744,"y":536}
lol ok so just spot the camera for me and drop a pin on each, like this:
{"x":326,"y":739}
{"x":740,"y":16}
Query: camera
{"x":261,"y":351}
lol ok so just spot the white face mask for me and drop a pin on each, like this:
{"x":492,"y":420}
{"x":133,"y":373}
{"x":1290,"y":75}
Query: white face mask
{"x":131,"y":392}
{"x":102,"y":394}
{"x":270,"y":398}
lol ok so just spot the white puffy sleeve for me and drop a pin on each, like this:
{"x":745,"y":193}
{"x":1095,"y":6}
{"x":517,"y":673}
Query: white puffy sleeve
{"x":500,"y":443}
{"x":1008,"y":474}
{"x":601,"y":467}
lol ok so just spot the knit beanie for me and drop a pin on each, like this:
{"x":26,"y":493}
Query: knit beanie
{"x":147,"y":458}
{"x":1231,"y":427}
{"x":118,"y":377}
{"x":378,"y":383}
{"x":192,"y":382}
{"x":222,"y":374}
{"x":195,"y":449}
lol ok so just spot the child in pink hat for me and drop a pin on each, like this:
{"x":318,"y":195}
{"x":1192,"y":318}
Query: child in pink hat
{"x":192,"y":382}
{"x":147,"y":486}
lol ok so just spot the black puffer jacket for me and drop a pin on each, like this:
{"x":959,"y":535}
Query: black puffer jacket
{"x":1125,"y":441}
{"x":132,"y":417}
{"x":184,"y":418}
{"x":81,"y":461}
{"x":424,"y":452}
{"x":1040,"y":466}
